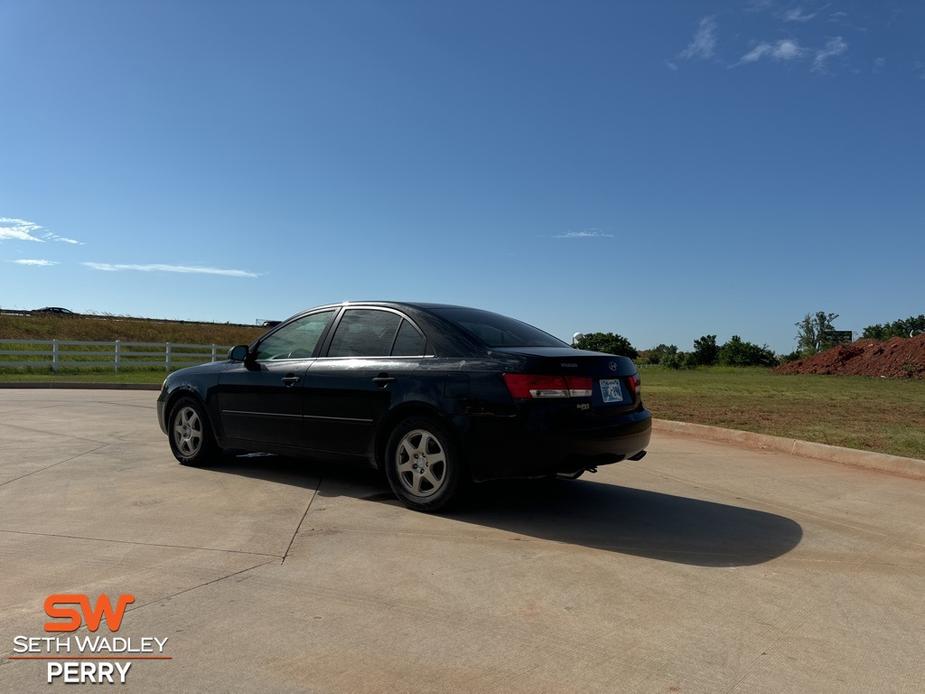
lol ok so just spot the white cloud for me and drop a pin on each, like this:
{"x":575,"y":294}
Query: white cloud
{"x":35,"y":262}
{"x":758,"y":5}
{"x":158,"y":267}
{"x":19,"y":229}
{"x":786,"y":49}
{"x":796,"y":15}
{"x":24,"y":230}
{"x":703,"y":45}
{"x":833,"y":47}
{"x":586,"y":234}
{"x":756,"y":54}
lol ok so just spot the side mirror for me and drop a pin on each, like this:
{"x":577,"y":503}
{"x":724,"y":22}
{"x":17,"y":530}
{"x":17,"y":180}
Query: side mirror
{"x":238,"y":353}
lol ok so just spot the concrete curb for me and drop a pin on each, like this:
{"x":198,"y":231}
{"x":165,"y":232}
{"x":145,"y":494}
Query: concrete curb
{"x":82,"y":386}
{"x":909,"y":467}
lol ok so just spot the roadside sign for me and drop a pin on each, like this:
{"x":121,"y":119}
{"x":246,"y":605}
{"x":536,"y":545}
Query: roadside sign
{"x":840,"y":337}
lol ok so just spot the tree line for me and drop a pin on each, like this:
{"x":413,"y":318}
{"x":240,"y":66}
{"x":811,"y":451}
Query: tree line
{"x":816,"y":332}
{"x":904,"y":327}
{"x":706,"y":351}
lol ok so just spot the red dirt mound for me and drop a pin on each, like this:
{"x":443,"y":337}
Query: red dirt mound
{"x":897,"y":357}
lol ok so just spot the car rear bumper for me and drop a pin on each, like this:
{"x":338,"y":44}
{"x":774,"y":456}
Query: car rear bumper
{"x":510,"y":447}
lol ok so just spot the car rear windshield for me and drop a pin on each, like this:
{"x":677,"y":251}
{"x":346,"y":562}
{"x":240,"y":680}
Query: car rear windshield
{"x":498,"y":331}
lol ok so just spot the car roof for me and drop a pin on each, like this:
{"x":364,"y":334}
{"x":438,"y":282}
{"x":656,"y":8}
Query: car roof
{"x":423,"y":305}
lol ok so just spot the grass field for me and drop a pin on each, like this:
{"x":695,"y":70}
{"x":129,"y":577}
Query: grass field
{"x":47,"y":327}
{"x":867,"y":413}
{"x":875,"y":414}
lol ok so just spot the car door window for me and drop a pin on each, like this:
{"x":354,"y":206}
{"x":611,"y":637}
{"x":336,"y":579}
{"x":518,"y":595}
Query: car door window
{"x":297,"y":340}
{"x":364,"y":333}
{"x":409,"y":342}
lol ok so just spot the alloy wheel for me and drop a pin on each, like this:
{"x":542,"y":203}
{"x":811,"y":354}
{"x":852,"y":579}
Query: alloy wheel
{"x":421,"y":463}
{"x":187,"y":431}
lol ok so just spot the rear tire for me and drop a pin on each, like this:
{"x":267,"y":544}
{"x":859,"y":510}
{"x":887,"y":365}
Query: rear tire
{"x":189,"y":433}
{"x":423,"y":464}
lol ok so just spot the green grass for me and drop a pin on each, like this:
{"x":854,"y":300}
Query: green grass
{"x":867,"y":413}
{"x":885,"y":415}
{"x":84,"y":376}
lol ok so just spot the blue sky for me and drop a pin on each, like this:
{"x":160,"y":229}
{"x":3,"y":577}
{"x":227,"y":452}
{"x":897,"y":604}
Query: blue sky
{"x":660,"y":169}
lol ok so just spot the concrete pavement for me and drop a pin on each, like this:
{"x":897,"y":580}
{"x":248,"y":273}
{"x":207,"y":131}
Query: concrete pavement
{"x":701,"y":568}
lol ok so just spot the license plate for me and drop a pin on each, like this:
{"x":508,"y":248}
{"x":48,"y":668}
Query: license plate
{"x":611,"y":390}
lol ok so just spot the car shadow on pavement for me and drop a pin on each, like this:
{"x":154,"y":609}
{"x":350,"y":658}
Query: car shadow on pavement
{"x":633,"y":521}
{"x":580,"y":512}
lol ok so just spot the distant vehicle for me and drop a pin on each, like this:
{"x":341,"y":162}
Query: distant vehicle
{"x":434,"y":394}
{"x":270,"y":323}
{"x":57,"y":310}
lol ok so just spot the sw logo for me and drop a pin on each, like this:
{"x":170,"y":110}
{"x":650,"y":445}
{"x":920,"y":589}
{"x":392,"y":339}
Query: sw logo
{"x":55,"y":608}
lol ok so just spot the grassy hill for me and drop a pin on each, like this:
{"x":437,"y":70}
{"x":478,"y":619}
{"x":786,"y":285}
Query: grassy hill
{"x":47,"y":327}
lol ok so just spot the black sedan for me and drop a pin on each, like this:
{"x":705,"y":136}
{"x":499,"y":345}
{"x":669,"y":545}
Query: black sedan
{"x":435,"y":395}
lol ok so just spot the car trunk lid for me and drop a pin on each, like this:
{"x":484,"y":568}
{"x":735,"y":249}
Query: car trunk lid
{"x":595,"y":385}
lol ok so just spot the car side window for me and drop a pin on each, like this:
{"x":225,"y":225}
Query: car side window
{"x":297,"y":340}
{"x":364,"y":333}
{"x":409,"y":342}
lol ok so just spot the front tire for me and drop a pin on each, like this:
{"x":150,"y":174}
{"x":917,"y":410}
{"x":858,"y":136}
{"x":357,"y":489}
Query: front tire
{"x":423,"y":465}
{"x":191,"y":438}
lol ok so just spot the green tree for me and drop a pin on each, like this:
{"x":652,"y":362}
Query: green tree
{"x":904,"y":327}
{"x":738,"y":352}
{"x":814,"y":332}
{"x":680,"y":360}
{"x":611,"y":343}
{"x":706,"y":351}
{"x":673,"y":360}
{"x":658,"y":354}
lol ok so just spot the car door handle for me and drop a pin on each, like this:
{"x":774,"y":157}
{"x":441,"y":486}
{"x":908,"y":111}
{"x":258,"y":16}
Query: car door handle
{"x":291,"y":380}
{"x":383,"y":380}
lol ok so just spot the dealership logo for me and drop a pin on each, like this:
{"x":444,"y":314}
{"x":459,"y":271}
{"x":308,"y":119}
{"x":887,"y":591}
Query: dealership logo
{"x":56,"y":607}
{"x":87,"y":659}
{"x":612,"y":366}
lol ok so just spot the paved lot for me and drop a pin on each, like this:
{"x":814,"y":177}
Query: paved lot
{"x":702,"y":568}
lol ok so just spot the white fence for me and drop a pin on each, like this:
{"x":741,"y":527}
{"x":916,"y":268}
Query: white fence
{"x":118,"y":355}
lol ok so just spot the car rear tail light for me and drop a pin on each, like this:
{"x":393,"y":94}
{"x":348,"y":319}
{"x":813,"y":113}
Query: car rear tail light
{"x":527,"y":386}
{"x":535,"y":386}
{"x":634,"y":383}
{"x":579,"y":386}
